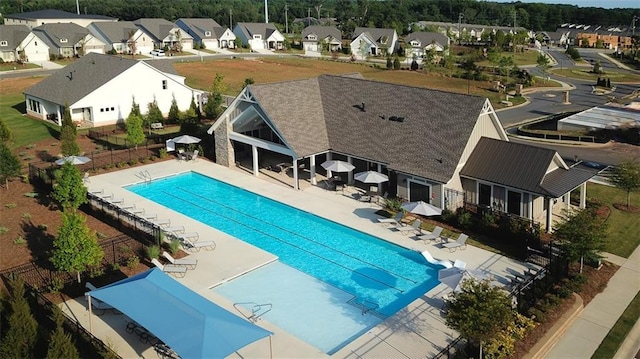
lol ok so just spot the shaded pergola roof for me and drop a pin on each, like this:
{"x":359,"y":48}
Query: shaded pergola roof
{"x":188,"y":323}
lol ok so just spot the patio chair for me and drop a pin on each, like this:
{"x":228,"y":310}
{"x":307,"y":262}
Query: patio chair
{"x":178,"y":271}
{"x":193,"y":236}
{"x":161,"y":222}
{"x":194,"y":157}
{"x":196,"y":246}
{"x":175,"y":230}
{"x":414,"y":227}
{"x":181,"y":155}
{"x":190,"y":263}
{"x":443,"y":262}
{"x":461,"y":243}
{"x":391,"y":221}
{"x":435,"y":235}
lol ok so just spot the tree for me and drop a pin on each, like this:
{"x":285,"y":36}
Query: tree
{"x":9,"y":164}
{"x":177,"y":43}
{"x":154,"y":115}
{"x":626,"y":176}
{"x":5,"y":133}
{"x":75,"y":248}
{"x":389,"y":63}
{"x":135,"y":108}
{"x":69,"y":190}
{"x":396,"y":63}
{"x":174,"y":112}
{"x":479,"y":311}
{"x":68,"y":134}
{"x":503,"y":344}
{"x":60,"y":343}
{"x":131,"y":43}
{"x":582,"y":235}
{"x":597,"y":67}
{"x":213,"y":108}
{"x":543,"y":61}
{"x":135,"y":130}
{"x":22,"y":329}
{"x":248,"y":81}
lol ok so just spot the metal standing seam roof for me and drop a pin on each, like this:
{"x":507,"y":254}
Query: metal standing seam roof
{"x":326,"y":114}
{"x":521,"y":166}
{"x":13,"y":35}
{"x":604,"y":117}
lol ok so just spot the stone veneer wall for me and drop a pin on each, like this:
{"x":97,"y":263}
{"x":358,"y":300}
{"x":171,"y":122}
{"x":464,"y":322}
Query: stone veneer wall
{"x":225,"y":155}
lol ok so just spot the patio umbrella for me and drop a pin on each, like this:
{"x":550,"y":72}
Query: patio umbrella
{"x":371,"y":177}
{"x":423,"y":208}
{"x":76,"y":160}
{"x":186,"y":139}
{"x":337,"y":166}
{"x":454,"y":276}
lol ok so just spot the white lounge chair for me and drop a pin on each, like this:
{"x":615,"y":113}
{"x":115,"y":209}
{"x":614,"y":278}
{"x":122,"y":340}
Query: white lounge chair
{"x":461,"y":243}
{"x":174,"y":230}
{"x":178,"y":271}
{"x":435,"y":235}
{"x":443,"y":262}
{"x":194,"y":157}
{"x":414,"y":227}
{"x":192,"y":236}
{"x":162,"y":222}
{"x":190,"y":263}
{"x":196,"y":246}
{"x":391,"y":221}
{"x":460,"y":264}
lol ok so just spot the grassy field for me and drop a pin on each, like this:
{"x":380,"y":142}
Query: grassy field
{"x":618,"y":333}
{"x":9,"y":66}
{"x":521,"y":58}
{"x":623,"y":230}
{"x":265,"y":70}
{"x":584,"y":74}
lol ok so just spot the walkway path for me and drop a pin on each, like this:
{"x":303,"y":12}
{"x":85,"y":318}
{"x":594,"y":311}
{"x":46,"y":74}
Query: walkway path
{"x":586,"y":333}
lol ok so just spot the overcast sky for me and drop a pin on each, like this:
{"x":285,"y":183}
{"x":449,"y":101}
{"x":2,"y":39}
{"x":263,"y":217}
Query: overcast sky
{"x":609,"y":4}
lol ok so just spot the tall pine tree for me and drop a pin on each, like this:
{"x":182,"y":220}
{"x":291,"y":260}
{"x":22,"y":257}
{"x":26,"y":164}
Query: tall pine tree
{"x":68,"y":134}
{"x":60,"y":344}
{"x":22,"y":329}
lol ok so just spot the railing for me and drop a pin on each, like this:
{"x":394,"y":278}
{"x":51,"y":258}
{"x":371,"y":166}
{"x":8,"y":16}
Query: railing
{"x":257,"y":310}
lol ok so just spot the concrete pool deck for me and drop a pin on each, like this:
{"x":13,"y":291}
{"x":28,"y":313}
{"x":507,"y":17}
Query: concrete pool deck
{"x":418,"y":330}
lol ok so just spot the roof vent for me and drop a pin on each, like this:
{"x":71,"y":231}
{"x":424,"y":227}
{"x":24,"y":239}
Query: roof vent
{"x":362,"y":107}
{"x":396,"y":119}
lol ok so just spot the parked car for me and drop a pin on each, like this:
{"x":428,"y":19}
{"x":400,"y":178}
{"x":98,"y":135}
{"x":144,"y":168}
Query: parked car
{"x":157,"y":53}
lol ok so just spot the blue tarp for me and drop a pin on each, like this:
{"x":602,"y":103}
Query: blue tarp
{"x":188,"y":323}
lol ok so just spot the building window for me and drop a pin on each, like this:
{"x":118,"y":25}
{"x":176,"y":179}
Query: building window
{"x":3,"y":43}
{"x":207,"y":33}
{"x":164,"y":84}
{"x":102,"y":110}
{"x":35,"y":43}
{"x":34,"y":105}
{"x":113,"y":109}
{"x":257,"y":37}
{"x":63,"y":40}
{"x":313,"y":37}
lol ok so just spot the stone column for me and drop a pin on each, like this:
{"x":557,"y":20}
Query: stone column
{"x":225,"y":155}
{"x":566,"y":98}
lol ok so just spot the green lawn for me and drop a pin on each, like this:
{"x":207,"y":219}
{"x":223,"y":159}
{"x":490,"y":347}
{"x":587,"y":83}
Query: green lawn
{"x":623,"y":230}
{"x":25,"y":130}
{"x":620,"y":330}
{"x":584,"y":74}
{"x":9,"y":66}
{"x":521,"y":58}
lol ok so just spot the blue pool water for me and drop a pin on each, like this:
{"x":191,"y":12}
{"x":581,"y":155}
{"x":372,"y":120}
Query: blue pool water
{"x":348,"y":270}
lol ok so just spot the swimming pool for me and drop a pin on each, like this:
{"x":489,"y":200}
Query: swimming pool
{"x":374,"y":276}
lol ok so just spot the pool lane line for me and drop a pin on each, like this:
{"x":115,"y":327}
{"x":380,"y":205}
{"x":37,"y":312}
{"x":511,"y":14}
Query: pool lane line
{"x":283,"y":241}
{"x":299,"y":235}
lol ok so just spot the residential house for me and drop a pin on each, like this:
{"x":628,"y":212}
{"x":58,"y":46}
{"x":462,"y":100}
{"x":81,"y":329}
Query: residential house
{"x":164,"y":33}
{"x":421,"y":138}
{"x":51,"y":16}
{"x":522,"y":180}
{"x":259,"y":36}
{"x":100,"y":90}
{"x":68,"y":40}
{"x":208,"y":33}
{"x":471,"y":33}
{"x":18,"y":43}
{"x":122,"y":36}
{"x":316,"y":39}
{"x":368,"y":41}
{"x":419,"y":44}
{"x":560,"y":37}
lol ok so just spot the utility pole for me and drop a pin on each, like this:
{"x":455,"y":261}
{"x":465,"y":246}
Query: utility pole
{"x":308,"y":16}
{"x":266,"y":12}
{"x":514,"y":35}
{"x":286,"y":18}
{"x":78,"y":7}
{"x":459,"y":33}
{"x":231,"y":19}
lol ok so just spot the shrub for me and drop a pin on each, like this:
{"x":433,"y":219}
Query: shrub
{"x":31,"y":194}
{"x":19,"y":240}
{"x":11,"y":205}
{"x":101,"y":235}
{"x":3,"y":230}
{"x":96,"y":271}
{"x":42,"y":227}
{"x":448,"y":216}
{"x":26,"y":216}
{"x":153,"y":252}
{"x":56,"y":285}
{"x":133,"y":162}
{"x":133,"y":261}
{"x":394,"y":204}
{"x":121,"y":164}
{"x":174,"y":246}
{"x":163,"y":153}
{"x":464,"y":218}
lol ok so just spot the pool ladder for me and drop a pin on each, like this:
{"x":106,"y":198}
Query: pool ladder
{"x":366,"y":306}
{"x":144,"y":175}
{"x":257,"y":310}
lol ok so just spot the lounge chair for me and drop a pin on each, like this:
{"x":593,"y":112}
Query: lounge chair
{"x":193,"y":236}
{"x":460,"y":264}
{"x":96,"y":304}
{"x":194,"y":156}
{"x":461,"y":243}
{"x":175,"y":230}
{"x":435,"y":235}
{"x":414,"y":227}
{"x":178,"y":271}
{"x":187,"y":262}
{"x":443,"y":262}
{"x":161,"y":222}
{"x":196,"y":246}
{"x":391,"y":221}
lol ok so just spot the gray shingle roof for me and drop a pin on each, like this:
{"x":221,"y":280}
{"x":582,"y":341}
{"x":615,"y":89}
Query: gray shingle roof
{"x":156,"y":27}
{"x":521,"y":166}
{"x":425,"y":38}
{"x":428,"y":143}
{"x":198,"y":26}
{"x":381,"y":36}
{"x":251,"y":28}
{"x":322,"y":32}
{"x":116,"y":32}
{"x":13,"y":35}
{"x":55,"y":14}
{"x":53,"y":34}
{"x":80,"y":78}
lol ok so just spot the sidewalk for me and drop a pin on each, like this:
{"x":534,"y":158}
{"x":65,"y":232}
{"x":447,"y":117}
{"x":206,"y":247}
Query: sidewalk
{"x":592,"y":325}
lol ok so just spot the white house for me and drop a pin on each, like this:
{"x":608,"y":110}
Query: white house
{"x":259,"y":36}
{"x":165,"y":33}
{"x":68,"y":39}
{"x":100,"y":90}
{"x":121,"y":35}
{"x":208,"y":33}
{"x":51,"y":16}
{"x":368,"y":41}
{"x":316,"y":38}
{"x":420,"y":43}
{"x":18,"y":43}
